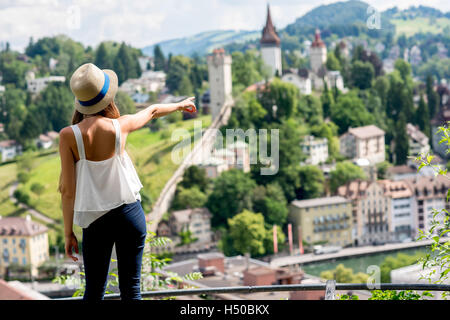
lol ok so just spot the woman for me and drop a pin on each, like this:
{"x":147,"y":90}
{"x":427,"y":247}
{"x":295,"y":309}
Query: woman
{"x":99,"y":185}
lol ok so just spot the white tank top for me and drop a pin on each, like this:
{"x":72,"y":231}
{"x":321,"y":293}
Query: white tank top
{"x":103,"y":185}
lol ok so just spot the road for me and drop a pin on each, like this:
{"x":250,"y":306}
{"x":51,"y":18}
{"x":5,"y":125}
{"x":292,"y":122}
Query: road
{"x":30,"y":210}
{"x":347,"y":252}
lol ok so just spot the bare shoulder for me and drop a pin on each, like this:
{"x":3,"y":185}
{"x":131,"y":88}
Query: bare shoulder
{"x":66,"y":134}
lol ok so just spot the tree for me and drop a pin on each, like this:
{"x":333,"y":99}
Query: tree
{"x":312,"y":182}
{"x":271,"y":202}
{"x":194,"y":176}
{"x":344,"y":275}
{"x":248,"y":233}
{"x":159,"y":59}
{"x":310,"y":110}
{"x":327,"y":100}
{"x":245,"y":68}
{"x":38,"y":189}
{"x":349,"y":111}
{"x":189,"y":198}
{"x":125,"y":104}
{"x":432,"y":97}
{"x":401,"y":141}
{"x":382,"y":168}
{"x":232,"y":192}
{"x":102,"y":58}
{"x":423,"y":117}
{"x":362,"y":74}
{"x":333,"y":62}
{"x":281,"y":94}
{"x":345,"y":171}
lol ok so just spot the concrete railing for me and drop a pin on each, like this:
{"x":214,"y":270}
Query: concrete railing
{"x":329,"y":287}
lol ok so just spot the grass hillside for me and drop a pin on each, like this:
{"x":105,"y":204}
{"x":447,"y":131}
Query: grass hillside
{"x":410,"y":27}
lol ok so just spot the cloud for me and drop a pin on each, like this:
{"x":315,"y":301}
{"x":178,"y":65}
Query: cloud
{"x":141,"y":23}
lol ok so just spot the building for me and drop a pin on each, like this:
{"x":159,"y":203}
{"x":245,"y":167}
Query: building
{"x":241,"y":151}
{"x":22,"y":242}
{"x":403,"y":217}
{"x":317,"y":53}
{"x":9,"y":149}
{"x":149,"y":81}
{"x":146,"y":63}
{"x":220,"y":81}
{"x":441,"y":118}
{"x":418,"y":141}
{"x":322,"y":220}
{"x":429,"y":193}
{"x":316,"y":149}
{"x":221,"y":271}
{"x":270,"y":47}
{"x":299,"y":78}
{"x":36,"y":85}
{"x":196,"y":220}
{"x":371,"y":211}
{"x":45,"y":141}
{"x":363,"y":142}
{"x":401,"y":172}
{"x":214,"y":166}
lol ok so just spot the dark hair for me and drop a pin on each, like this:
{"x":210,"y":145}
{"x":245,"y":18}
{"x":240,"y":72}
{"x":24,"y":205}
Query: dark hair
{"x":111,"y":111}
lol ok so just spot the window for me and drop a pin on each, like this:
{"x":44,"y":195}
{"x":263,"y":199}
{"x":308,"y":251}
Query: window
{"x":24,"y":261}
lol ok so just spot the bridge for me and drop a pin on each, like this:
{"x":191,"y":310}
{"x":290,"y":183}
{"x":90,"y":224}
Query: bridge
{"x":347,"y":253}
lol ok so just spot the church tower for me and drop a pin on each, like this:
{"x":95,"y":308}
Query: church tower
{"x":317,"y":53}
{"x":219,"y":71}
{"x":270,"y":46}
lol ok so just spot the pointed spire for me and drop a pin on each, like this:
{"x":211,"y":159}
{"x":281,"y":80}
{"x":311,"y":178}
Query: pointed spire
{"x":317,"y":40}
{"x":269,"y":34}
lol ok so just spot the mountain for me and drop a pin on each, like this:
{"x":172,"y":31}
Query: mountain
{"x":202,"y":43}
{"x":337,"y":13}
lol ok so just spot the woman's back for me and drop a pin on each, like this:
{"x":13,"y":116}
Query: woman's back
{"x":99,"y":137}
{"x":106,"y":182}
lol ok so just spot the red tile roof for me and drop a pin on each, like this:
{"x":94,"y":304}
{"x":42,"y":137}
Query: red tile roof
{"x":20,"y":226}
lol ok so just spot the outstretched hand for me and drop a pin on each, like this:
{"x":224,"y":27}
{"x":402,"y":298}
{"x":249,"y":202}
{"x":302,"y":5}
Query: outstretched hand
{"x":188,"y":105}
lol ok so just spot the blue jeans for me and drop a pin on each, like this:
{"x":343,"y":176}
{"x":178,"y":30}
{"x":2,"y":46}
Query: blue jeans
{"x":125,"y":227}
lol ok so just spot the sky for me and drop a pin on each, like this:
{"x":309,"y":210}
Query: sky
{"x":144,"y":22}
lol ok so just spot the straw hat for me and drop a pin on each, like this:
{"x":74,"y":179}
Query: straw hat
{"x":94,"y":89}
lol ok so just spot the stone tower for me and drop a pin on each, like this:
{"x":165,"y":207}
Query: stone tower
{"x":317,"y":53}
{"x":219,"y":71}
{"x":270,"y":46}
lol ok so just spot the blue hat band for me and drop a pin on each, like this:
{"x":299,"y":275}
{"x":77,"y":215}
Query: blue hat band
{"x":100,"y":95}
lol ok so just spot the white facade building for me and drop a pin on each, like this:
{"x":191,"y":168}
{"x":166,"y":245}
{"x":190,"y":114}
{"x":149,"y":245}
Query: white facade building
{"x":36,"y":85}
{"x":9,"y":149}
{"x":363,"y":142}
{"x":403,"y":216}
{"x":418,"y":141}
{"x":316,"y":149}
{"x":299,"y":78}
{"x":317,"y":53}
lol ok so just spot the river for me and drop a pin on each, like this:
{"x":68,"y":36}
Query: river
{"x":357,"y":264}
